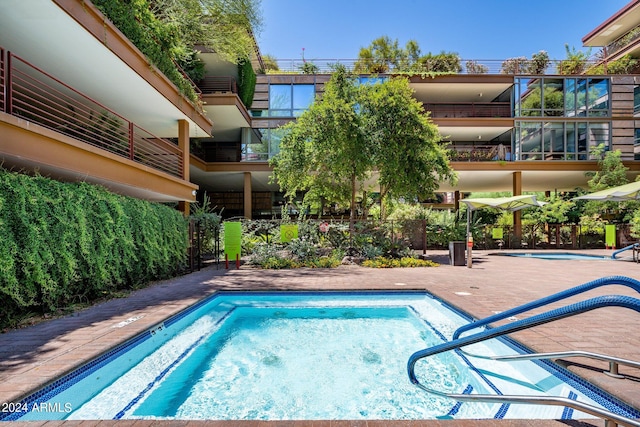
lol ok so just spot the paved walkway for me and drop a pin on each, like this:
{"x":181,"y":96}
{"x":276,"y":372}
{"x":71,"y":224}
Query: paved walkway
{"x":34,"y":356}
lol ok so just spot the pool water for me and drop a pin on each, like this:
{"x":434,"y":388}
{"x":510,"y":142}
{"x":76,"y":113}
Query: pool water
{"x":306,"y":356}
{"x":559,"y":256}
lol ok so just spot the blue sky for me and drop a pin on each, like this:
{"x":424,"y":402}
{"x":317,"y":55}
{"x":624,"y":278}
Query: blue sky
{"x":475,"y":29}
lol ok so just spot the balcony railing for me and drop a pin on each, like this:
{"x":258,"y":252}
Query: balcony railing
{"x":468,"y":66}
{"x":214,"y":84}
{"x":465,"y":110}
{"x":623,"y":41}
{"x":36,"y":96}
{"x":2,"y":83}
{"x":479,"y":153}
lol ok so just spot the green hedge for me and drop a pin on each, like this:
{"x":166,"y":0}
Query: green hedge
{"x":66,"y":243}
{"x":246,"y":83}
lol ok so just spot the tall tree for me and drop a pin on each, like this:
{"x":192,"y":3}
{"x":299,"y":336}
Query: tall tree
{"x":356,"y":131}
{"x":409,"y":158}
{"x":326,"y":151}
{"x":384,"y":55}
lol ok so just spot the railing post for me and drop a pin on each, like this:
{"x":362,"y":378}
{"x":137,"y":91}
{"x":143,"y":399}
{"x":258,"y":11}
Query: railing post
{"x":131,"y":153}
{"x":8,"y":104}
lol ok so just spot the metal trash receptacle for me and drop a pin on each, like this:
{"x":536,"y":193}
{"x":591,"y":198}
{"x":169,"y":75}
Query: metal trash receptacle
{"x":456,"y":253}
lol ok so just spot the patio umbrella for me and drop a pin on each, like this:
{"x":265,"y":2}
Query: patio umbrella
{"x":511,"y":204}
{"x":620,"y":193}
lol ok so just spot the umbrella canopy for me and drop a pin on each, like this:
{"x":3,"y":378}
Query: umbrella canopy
{"x":620,"y":193}
{"x":511,"y":204}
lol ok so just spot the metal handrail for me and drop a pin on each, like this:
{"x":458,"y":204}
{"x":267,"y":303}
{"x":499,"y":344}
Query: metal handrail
{"x":540,"y":319}
{"x":613,"y":361}
{"x":603,"y":281}
{"x":611,"y":418}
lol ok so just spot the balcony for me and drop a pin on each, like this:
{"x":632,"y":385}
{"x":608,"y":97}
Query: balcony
{"x":443,"y":110}
{"x":216,"y":84}
{"x":33,"y":95}
{"x":479,"y":153}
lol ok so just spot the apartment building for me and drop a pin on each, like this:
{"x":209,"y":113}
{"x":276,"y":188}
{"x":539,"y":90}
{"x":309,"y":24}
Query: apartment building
{"x":80,"y":102}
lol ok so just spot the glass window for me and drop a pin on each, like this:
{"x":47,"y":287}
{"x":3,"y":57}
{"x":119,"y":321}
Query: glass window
{"x":280,"y":97}
{"x":560,"y":140}
{"x":274,"y":141}
{"x":583,"y":154}
{"x":303,"y":96}
{"x":570,"y":100}
{"x":529,"y":99}
{"x":598,"y":97}
{"x":255,"y":149}
{"x":553,"y":100}
{"x":570,"y":137}
{"x":530,"y":140}
{"x":599,"y":134}
{"x":288,"y":100}
{"x":636,"y":100}
{"x":553,"y":141}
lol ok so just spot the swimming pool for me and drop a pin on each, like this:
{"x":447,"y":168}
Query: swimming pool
{"x":558,"y":256}
{"x":307,"y":356}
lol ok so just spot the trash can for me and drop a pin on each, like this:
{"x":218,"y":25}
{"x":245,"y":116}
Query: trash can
{"x":456,"y":253}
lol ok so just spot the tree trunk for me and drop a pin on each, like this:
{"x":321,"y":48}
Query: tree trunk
{"x":383,"y":209}
{"x":352,"y":215}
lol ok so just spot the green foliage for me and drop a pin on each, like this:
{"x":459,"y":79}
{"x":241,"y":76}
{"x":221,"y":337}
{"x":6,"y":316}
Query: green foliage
{"x":325,"y":152}
{"x":68,"y":243}
{"x":246,"y":82}
{"x":222,"y":26}
{"x":575,"y":63}
{"x":612,"y":171}
{"x":159,"y":41}
{"x":403,"y":138}
{"x":382,"y":262}
{"x":521,"y":65}
{"x":474,"y":67}
{"x":270,"y":64}
{"x":538,"y":63}
{"x":384,"y":55}
{"x":516,"y":65}
{"x":623,"y":65}
{"x":442,"y":63}
{"x":209,"y":221}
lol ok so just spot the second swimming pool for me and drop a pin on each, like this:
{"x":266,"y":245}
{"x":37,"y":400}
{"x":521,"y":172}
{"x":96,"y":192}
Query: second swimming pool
{"x":305,"y":356}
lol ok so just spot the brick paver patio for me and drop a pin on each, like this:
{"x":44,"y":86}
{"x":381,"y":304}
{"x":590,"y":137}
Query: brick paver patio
{"x":33,"y":356}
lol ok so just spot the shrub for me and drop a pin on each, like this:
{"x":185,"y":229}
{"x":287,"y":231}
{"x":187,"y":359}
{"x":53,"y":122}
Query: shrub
{"x":382,"y":262}
{"x":68,"y":243}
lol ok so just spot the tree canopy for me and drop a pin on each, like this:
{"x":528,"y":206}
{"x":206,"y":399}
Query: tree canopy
{"x":356,"y":132}
{"x":384,"y":55}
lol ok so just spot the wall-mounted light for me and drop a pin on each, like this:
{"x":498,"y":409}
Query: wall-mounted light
{"x":194,"y":192}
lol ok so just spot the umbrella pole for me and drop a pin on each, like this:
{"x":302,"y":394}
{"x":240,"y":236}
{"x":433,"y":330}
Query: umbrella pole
{"x":469,"y":238}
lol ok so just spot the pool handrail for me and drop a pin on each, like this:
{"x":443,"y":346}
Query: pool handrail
{"x":603,"y":281}
{"x":613,"y":361}
{"x":540,"y":400}
{"x":536,"y":320}
{"x":631,"y":246}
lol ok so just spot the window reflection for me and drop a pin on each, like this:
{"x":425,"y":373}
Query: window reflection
{"x":557,"y":97}
{"x":290,"y":100}
{"x":560,"y":140}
